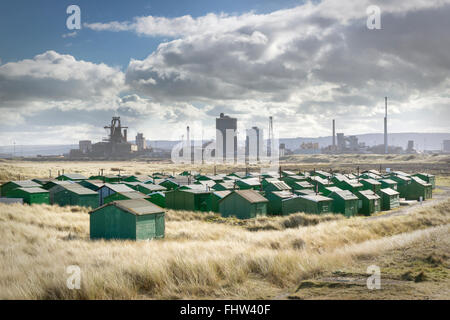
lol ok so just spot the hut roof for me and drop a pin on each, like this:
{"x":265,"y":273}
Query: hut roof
{"x":33,"y":190}
{"x":251,"y":181}
{"x":389,"y":191}
{"x":134,"y":195}
{"x":316,"y":197}
{"x":118,"y":187}
{"x":369,"y":194}
{"x":420,"y":181}
{"x":283,"y":194}
{"x":76,"y":188}
{"x":26,"y":183}
{"x":388,"y":181}
{"x":371,"y":181}
{"x":280,"y":185}
{"x":251,"y":196}
{"x":73,"y":176}
{"x":136,"y":206}
{"x":346,"y":195}
{"x":222,"y":194}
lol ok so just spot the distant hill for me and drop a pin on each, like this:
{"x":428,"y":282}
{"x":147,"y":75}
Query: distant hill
{"x":431,"y":141}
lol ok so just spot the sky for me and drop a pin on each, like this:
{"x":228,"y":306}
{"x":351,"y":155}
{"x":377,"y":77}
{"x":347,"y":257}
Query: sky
{"x":164,"y":65}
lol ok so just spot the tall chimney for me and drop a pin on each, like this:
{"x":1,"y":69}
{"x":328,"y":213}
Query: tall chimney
{"x":385,"y":127}
{"x":125,"y":134}
{"x":334,"y":134}
{"x":188,"y":144}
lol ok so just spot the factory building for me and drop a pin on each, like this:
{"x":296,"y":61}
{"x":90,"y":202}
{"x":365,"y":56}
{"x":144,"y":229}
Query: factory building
{"x":114,"y":146}
{"x":85,"y":146}
{"x":446,"y":146}
{"x":226,"y":138}
{"x":140,"y":142}
{"x":254,"y":145}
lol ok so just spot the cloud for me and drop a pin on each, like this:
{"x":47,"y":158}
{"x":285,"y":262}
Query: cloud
{"x":54,"y":80}
{"x":303,"y":66}
{"x":70,"y":35}
{"x":318,"y":60}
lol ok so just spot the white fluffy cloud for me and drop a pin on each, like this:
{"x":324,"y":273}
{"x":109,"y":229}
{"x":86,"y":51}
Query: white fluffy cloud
{"x":304,"y":66}
{"x":313,"y":61}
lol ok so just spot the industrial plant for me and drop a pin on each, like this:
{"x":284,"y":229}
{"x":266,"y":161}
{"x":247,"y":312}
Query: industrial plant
{"x":115,"y":146}
{"x":227,"y":148}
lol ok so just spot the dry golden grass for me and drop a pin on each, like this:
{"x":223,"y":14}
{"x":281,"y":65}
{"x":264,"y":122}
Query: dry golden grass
{"x":201,"y":256}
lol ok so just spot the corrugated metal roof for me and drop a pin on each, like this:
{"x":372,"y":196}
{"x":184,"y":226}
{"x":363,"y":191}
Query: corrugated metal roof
{"x":60,"y":182}
{"x":200,"y":187}
{"x":207,"y":183}
{"x":388,"y":181}
{"x":334,"y":189}
{"x":401,"y":173}
{"x":297,"y":177}
{"x":428,"y":175}
{"x":304,"y":191}
{"x":321,"y":180}
{"x":346,"y":195}
{"x":222,"y":194}
{"x":118,"y":187}
{"x":371,"y":181}
{"x":95,"y":181}
{"x":214,"y":177}
{"x":369,"y":194}
{"x":400,"y":177}
{"x":142,"y":177}
{"x":420,"y":181}
{"x":270,"y":180}
{"x":152,"y":187}
{"x":354,"y":182}
{"x":283,"y":194}
{"x":134,"y":195}
{"x":280,"y":185}
{"x":26,"y":183}
{"x":33,"y":190}
{"x":137,"y":206}
{"x":251,"y":181}
{"x":227,"y":184}
{"x":316,"y":197}
{"x":326,"y":174}
{"x":304,"y":184}
{"x":389,"y":191}
{"x":251,"y":196}
{"x":76,"y":188}
{"x":73,"y":176}
{"x":372,"y":175}
{"x":197,"y":191}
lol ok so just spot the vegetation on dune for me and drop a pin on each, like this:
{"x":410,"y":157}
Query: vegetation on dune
{"x":199,"y":257}
{"x":14,"y":170}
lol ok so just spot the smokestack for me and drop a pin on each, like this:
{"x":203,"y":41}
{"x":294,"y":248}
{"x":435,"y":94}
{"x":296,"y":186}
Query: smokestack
{"x":188,"y":144}
{"x":385,"y":127}
{"x":125,"y":134}
{"x":334,"y":134}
